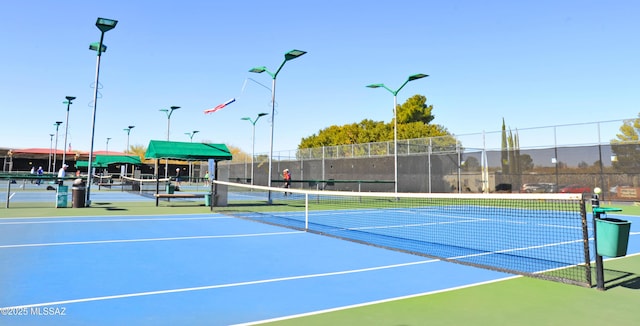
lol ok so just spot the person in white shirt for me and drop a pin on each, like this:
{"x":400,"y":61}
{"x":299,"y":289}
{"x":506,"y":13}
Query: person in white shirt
{"x":61,"y":174}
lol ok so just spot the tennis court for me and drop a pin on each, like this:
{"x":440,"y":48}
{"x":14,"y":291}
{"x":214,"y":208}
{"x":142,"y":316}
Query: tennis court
{"x":213,"y":269}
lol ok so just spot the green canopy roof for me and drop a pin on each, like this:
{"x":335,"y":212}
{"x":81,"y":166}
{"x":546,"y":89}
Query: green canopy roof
{"x":187,"y":151}
{"x":102,"y":161}
{"x":116,"y":159}
{"x":85,"y":164}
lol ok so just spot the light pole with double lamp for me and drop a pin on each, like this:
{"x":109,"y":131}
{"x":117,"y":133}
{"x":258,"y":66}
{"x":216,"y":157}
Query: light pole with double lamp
{"x":128,"y":130}
{"x":287,"y":56}
{"x":127,"y":150}
{"x":253,"y":139}
{"x":108,"y":139}
{"x":104,"y":25}
{"x":395,"y":123}
{"x":66,"y":126}
{"x":168,"y":112}
{"x":190,"y":134}
{"x":55,"y":152}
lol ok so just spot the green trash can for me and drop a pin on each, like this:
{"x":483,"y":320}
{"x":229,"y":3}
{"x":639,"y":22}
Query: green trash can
{"x":170,"y":189}
{"x":207,"y":199}
{"x":61,"y":196}
{"x":613,"y":237}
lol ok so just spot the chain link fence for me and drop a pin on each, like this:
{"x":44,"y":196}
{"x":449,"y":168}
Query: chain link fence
{"x":567,"y":158}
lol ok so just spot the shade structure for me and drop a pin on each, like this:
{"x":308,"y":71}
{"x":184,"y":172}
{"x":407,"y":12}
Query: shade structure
{"x":102,"y":161}
{"x":85,"y":164}
{"x":117,"y":159}
{"x":187,"y":151}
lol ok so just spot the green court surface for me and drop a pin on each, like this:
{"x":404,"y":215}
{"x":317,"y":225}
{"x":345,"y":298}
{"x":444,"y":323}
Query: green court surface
{"x":516,"y":301}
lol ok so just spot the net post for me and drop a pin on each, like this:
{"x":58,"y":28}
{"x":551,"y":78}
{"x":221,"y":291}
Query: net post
{"x":213,"y":191}
{"x":8,"y":192}
{"x":595,"y":203}
{"x":157,"y":182}
{"x":585,"y":237}
{"x":306,"y":211}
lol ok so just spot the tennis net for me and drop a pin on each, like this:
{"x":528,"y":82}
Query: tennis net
{"x":145,"y":186}
{"x":539,"y":235}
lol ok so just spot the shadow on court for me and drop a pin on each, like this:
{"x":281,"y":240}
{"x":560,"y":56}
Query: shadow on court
{"x":616,"y":278}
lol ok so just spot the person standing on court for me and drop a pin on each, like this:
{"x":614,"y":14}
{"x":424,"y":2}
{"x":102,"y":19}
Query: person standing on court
{"x":40,"y":172}
{"x":61,"y":174}
{"x":178,"y":177}
{"x":286,"y":175}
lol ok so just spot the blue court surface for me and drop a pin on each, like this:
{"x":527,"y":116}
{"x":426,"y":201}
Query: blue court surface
{"x":200,"y":269}
{"x":204,"y":269}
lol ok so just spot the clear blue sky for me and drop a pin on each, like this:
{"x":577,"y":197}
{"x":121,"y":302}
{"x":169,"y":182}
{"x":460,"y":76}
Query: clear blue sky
{"x":533,"y":63}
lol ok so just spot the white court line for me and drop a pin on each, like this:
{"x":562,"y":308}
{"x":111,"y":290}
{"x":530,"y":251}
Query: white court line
{"x":210,"y":287}
{"x":74,"y":217}
{"x":118,"y":220}
{"x":219,"y":286}
{"x":146,"y":240}
{"x":364,"y":304}
{"x":312,"y":313}
{"x":410,"y":225}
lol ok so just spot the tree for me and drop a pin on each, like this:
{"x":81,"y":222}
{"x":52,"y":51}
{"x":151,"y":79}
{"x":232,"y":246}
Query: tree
{"x":628,"y":131}
{"x":471,"y":164}
{"x":511,"y":154}
{"x":139,"y":150}
{"x":414,"y":118}
{"x":364,"y":132}
{"x":415,"y":109}
{"x":627,"y":147}
{"x":526,"y":162}
{"x":504,"y":154}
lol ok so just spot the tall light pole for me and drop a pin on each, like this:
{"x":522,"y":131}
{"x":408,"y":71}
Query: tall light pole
{"x":126,"y":166}
{"x":50,"y":151}
{"x":128,"y":130}
{"x":287,"y":56}
{"x":190,"y":134}
{"x":253,"y":139}
{"x":104,"y":25}
{"x":168,"y":112}
{"x":395,"y":122}
{"x":108,"y":139}
{"x":66,"y":126}
{"x":55,"y":152}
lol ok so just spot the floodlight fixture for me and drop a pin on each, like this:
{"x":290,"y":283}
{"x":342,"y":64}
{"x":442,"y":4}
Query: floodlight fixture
{"x":96,"y":45}
{"x":106,"y":24}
